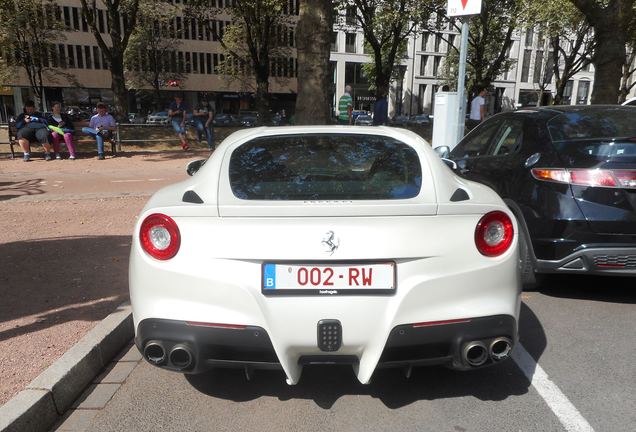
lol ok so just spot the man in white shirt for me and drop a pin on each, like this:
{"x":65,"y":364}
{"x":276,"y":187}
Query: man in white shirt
{"x":478,"y":109}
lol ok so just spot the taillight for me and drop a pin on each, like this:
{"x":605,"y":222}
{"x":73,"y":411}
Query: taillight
{"x":494,"y":233}
{"x":159,"y":236}
{"x":588,"y":177}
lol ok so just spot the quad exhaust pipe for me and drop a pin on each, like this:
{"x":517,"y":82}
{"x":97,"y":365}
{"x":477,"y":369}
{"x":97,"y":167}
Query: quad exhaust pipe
{"x":475,"y":353}
{"x":500,"y":349}
{"x":179,"y":358}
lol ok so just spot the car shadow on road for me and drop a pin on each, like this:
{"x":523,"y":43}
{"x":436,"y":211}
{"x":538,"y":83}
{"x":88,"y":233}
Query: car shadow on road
{"x":326,"y":384}
{"x":11,"y":190}
{"x":610,"y":289}
{"x":57,"y":280}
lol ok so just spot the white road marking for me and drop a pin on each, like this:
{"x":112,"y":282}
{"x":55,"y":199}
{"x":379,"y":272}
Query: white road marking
{"x":126,"y":181}
{"x":159,"y":179}
{"x":565,"y":411}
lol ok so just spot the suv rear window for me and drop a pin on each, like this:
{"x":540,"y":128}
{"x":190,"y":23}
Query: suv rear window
{"x":325,"y":167}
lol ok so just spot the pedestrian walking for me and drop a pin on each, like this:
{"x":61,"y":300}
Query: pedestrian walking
{"x":101,"y":127}
{"x":61,"y":128}
{"x":345,"y":107}
{"x":478,"y":109}
{"x":381,"y":109}
{"x":178,"y":111}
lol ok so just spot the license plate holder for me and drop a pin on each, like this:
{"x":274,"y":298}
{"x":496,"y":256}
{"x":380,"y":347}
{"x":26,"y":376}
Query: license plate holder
{"x":328,"y":278}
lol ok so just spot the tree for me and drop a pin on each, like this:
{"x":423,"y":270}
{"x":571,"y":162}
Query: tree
{"x":489,"y":42}
{"x":570,"y":38}
{"x":121,"y":19}
{"x":257,"y":37}
{"x":386,"y":25}
{"x":313,"y":42}
{"x":151,"y":47}
{"x":612,"y":21}
{"x":27,"y":36}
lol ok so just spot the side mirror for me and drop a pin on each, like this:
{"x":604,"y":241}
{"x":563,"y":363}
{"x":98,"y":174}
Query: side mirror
{"x":443,"y":151}
{"x":451,"y":164}
{"x":194,"y":166}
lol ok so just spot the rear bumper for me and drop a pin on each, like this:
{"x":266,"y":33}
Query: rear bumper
{"x":619,"y":261}
{"x":251,"y":347}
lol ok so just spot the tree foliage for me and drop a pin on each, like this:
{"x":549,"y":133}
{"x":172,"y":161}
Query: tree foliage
{"x":29,"y":30}
{"x":149,"y":56}
{"x":121,"y":19}
{"x":386,"y":25}
{"x":256,"y":38}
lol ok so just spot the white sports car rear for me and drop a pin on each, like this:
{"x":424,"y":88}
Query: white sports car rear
{"x":323,"y":244}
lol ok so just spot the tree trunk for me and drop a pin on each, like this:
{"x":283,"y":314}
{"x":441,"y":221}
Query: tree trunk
{"x":262,"y":100}
{"x":118,"y":85}
{"x":313,"y":41}
{"x":608,"y":65}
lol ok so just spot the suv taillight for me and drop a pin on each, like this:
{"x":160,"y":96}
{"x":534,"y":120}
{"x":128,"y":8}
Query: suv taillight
{"x":494,"y":233}
{"x":159,"y":236}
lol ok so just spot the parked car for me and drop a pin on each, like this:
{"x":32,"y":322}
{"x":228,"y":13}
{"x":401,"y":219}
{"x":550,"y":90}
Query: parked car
{"x":288,"y":244}
{"x":399,"y":120}
{"x":224,"y":120}
{"x":419,"y":120}
{"x":136,"y":118}
{"x":569,"y":175}
{"x":248,"y":119}
{"x":160,"y":117}
{"x":356,"y":113}
{"x":364,"y":120}
{"x":630,"y":102}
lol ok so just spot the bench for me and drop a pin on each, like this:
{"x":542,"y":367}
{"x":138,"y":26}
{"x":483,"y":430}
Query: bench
{"x":79,"y":137}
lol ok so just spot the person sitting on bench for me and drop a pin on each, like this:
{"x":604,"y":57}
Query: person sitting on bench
{"x":101,"y":127}
{"x":31,"y":127}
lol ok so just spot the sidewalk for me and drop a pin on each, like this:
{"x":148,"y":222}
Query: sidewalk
{"x":65,"y":245}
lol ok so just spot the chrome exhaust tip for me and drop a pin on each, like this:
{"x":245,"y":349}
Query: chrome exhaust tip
{"x":155,"y":353}
{"x":475,"y":353}
{"x":180,"y":357}
{"x":500,"y":349}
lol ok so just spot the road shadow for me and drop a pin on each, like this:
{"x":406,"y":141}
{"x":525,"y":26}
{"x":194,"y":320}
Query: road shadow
{"x":326,"y":384}
{"x":61,"y":279}
{"x":11,"y":190}
{"x":611,"y":289}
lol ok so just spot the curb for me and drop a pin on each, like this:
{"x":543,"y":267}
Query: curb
{"x":48,"y":396}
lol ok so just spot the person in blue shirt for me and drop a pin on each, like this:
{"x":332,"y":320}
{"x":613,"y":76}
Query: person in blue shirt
{"x":32,"y":128}
{"x":381,"y":109}
{"x":101,"y":128}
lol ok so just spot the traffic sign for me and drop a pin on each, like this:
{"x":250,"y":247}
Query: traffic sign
{"x":463,"y":7}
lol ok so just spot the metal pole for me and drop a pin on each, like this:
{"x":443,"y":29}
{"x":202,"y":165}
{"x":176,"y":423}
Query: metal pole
{"x":463,"y":50}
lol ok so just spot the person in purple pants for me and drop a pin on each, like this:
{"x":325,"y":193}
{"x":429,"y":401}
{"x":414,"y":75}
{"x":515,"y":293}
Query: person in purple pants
{"x":61,"y":122}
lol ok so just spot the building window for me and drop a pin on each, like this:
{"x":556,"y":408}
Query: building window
{"x":61,"y":49}
{"x":525,"y":67}
{"x":436,"y":62}
{"x":67,"y":17}
{"x":420,"y":96}
{"x":350,"y":42}
{"x":100,"y":21}
{"x":334,"y":41}
{"x":451,"y":42}
{"x":96,"y":58}
{"x":80,"y":57}
{"x":425,"y":37}
{"x":423,"y":62}
{"x":216,"y":63}
{"x":438,"y":40}
{"x":529,"y":37}
{"x":538,"y":67}
{"x":76,"y":21}
{"x":582,"y":92}
{"x":70,"y":59}
{"x":87,"y":57}
{"x":567,"y":93}
{"x":53,"y":56}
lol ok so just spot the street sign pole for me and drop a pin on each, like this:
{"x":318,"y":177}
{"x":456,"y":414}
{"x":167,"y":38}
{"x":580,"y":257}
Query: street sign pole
{"x":461,"y":78}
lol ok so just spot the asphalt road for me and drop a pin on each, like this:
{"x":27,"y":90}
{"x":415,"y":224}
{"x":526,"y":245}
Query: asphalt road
{"x":578,"y":330}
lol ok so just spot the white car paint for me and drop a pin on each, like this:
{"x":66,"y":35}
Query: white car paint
{"x":216,"y":275}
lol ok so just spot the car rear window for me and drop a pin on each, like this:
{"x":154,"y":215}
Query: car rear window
{"x":602,"y":134}
{"x":325,"y":167}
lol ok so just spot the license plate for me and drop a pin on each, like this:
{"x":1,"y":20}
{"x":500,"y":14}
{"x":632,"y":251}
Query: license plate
{"x":328,"y":278}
